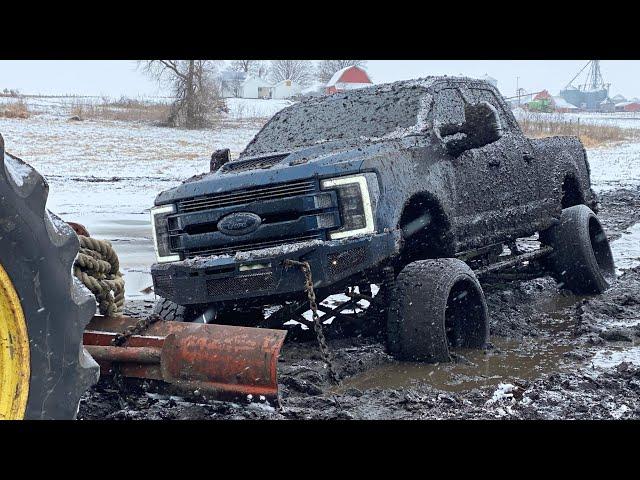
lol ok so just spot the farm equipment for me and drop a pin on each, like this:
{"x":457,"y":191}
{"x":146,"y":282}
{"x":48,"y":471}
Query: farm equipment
{"x":52,"y":345}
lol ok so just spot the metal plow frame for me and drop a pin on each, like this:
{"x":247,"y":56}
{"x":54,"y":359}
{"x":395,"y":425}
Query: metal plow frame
{"x":217,"y":362}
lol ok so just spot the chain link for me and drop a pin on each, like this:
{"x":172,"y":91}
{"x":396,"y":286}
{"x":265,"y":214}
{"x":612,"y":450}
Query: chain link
{"x":317,"y":324}
{"x":136,"y":329}
{"x":120,"y":339}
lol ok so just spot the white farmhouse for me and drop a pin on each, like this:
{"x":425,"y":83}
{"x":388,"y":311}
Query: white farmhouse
{"x":285,"y":89}
{"x":241,"y":85}
{"x":256,"y":87}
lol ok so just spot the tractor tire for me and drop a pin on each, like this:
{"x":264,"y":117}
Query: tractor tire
{"x":43,"y":308}
{"x":581,"y":260}
{"x":434,"y":304}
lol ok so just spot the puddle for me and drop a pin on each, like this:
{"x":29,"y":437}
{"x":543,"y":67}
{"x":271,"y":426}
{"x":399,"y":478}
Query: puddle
{"x":626,"y":249}
{"x":509,"y":361}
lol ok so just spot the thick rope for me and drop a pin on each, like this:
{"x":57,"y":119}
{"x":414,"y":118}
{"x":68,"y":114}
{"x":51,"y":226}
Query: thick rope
{"x":98,"y":268}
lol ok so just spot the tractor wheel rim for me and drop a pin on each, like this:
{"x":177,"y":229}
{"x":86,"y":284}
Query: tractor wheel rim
{"x":14,"y":352}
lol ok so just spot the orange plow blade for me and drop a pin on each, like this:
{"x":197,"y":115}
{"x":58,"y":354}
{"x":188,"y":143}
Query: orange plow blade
{"x":219,"y":362}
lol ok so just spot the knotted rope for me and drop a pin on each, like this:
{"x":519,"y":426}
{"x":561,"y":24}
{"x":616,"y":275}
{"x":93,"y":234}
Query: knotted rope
{"x":98,"y":268}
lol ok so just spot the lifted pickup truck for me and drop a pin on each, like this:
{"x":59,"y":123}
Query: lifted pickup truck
{"x":420,"y":186}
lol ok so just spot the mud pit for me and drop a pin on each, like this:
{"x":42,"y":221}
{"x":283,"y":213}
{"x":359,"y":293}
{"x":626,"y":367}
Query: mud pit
{"x":552,"y":355}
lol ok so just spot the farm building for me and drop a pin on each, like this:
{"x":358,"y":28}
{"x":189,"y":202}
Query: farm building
{"x":285,"y":89}
{"x":562,"y":106}
{"x":618,"y":99}
{"x":349,"y":78}
{"x":628,"y":107}
{"x":241,"y":85}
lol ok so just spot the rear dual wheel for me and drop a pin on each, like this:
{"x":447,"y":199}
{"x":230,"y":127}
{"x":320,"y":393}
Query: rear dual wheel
{"x":581,"y":260}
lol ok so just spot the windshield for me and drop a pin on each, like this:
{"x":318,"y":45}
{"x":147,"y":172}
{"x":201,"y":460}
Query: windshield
{"x":366,"y":114}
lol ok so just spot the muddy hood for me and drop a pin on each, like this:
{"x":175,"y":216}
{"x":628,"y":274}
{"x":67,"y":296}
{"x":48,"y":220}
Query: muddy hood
{"x":323,"y":160}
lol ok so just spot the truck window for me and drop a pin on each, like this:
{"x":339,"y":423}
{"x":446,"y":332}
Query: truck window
{"x":449,"y":108}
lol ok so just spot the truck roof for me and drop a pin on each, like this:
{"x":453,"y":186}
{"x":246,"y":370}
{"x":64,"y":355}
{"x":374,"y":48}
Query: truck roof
{"x":391,"y":110}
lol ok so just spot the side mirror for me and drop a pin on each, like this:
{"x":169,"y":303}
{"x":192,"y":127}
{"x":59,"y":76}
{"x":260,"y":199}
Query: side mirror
{"x":218,"y":159}
{"x":456,"y":143}
{"x":481,"y":126}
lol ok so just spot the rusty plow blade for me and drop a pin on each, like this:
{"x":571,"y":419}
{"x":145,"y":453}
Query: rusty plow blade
{"x":218,"y":362}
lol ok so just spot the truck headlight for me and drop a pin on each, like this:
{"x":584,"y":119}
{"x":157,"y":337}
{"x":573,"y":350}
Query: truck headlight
{"x":160,"y":229}
{"x":355,"y":205}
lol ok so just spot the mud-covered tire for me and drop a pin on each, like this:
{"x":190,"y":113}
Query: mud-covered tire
{"x":172,"y":312}
{"x":432,"y":304}
{"x":581,"y":260}
{"x":37,"y":253}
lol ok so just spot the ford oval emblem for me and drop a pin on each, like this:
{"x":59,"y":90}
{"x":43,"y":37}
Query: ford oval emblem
{"x":241,"y":223}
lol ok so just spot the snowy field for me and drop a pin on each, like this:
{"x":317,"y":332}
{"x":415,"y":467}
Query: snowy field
{"x":106,"y":174}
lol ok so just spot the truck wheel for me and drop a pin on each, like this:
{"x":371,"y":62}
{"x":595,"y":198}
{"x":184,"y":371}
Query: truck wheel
{"x":44,"y":368}
{"x":172,"y":312}
{"x":581,"y":260}
{"x":434,"y":304}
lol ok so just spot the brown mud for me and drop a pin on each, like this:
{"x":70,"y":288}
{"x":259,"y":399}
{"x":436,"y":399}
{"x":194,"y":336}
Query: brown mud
{"x":552,"y":355}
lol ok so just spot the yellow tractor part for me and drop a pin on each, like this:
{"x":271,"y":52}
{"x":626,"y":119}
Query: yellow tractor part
{"x":14,"y":352}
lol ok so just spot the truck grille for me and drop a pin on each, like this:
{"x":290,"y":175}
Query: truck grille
{"x":232,"y":249}
{"x":247,"y":196}
{"x":242,"y":284}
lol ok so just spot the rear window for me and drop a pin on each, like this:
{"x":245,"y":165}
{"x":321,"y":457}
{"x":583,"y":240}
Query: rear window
{"x":364,"y":114}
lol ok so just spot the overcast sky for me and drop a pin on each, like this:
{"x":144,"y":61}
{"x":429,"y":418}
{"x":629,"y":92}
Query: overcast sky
{"x":121,"y":77}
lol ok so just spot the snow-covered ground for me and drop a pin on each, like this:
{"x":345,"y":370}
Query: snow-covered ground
{"x":106,"y":174}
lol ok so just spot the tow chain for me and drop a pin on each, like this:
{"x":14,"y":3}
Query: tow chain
{"x":121,"y":338}
{"x":136,"y":329}
{"x":317,"y":324}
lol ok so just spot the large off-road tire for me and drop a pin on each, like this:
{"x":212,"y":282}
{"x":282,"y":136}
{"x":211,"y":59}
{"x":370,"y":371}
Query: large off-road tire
{"x":581,"y":260}
{"x":44,"y":368}
{"x":172,"y":312}
{"x":434,"y":304}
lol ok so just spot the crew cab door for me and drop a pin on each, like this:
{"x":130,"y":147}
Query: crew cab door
{"x":495,"y":178}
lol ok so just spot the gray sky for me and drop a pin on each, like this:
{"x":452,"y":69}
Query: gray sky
{"x":121,"y":77}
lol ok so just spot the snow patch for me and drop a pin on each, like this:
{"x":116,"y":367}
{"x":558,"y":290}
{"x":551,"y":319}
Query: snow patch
{"x":18,"y":170}
{"x":504,"y":391}
{"x":606,"y":359}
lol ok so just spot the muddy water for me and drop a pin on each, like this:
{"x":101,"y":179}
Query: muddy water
{"x":507,"y":361}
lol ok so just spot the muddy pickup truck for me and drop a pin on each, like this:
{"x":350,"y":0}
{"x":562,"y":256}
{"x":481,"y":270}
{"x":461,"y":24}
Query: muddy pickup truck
{"x":413,"y":190}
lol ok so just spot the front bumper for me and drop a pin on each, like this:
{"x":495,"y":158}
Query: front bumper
{"x":261,"y":273}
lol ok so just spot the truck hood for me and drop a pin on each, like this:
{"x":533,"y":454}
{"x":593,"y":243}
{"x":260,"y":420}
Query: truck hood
{"x":322,"y":160}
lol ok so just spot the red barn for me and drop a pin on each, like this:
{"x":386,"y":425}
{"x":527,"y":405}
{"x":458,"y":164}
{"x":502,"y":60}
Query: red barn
{"x":349,"y":78}
{"x":632,"y":107}
{"x":543,"y":95}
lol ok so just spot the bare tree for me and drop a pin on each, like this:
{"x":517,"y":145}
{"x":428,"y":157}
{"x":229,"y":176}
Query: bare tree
{"x":326,"y":68}
{"x":256,"y":68}
{"x":193,"y":84}
{"x":299,"y":71}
